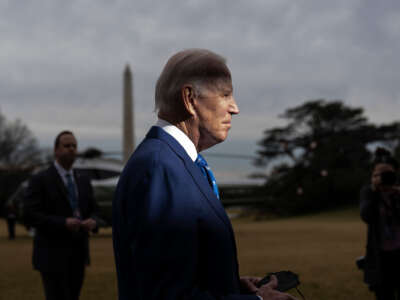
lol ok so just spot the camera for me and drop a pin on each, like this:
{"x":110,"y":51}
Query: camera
{"x":388,"y":178}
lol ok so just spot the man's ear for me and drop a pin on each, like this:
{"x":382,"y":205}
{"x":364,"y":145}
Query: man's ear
{"x":188,"y":97}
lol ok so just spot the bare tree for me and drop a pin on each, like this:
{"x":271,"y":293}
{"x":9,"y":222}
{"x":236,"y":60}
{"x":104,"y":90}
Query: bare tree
{"x":18,"y":147}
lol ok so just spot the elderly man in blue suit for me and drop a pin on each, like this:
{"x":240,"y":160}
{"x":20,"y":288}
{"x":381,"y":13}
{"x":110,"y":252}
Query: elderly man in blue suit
{"x":172,"y":238}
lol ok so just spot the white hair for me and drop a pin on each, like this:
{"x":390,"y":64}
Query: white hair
{"x":201,"y":68}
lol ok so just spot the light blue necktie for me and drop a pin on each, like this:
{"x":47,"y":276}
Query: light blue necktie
{"x":71,"y":193}
{"x":205,"y":169}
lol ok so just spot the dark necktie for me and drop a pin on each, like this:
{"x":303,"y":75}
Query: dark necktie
{"x":205,"y":169}
{"x":72,"y":194}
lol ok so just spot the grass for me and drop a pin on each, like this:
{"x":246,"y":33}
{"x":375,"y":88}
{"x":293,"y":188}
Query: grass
{"x":321,"y":248}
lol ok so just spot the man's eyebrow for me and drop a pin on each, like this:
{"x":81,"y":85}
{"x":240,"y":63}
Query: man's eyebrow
{"x":227,"y":89}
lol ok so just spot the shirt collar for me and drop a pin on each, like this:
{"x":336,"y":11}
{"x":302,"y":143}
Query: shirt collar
{"x":180,"y":137}
{"x":62,"y":171}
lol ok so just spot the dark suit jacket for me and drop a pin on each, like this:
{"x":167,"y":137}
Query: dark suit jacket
{"x":172,"y":238}
{"x":46,"y":208}
{"x":369,"y":211}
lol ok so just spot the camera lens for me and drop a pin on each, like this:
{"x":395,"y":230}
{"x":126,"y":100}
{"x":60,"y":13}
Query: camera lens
{"x":388,"y":178}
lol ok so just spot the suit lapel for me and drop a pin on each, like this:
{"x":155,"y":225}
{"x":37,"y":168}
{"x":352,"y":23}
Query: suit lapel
{"x":80,"y":188}
{"x":207,"y":191}
{"x":194,"y":171}
{"x":58,"y":182}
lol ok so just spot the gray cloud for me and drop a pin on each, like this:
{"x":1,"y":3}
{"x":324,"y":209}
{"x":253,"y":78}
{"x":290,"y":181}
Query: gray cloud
{"x":62,"y":61}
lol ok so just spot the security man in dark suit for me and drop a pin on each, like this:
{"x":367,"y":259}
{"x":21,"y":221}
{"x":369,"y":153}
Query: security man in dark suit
{"x":59,"y":203}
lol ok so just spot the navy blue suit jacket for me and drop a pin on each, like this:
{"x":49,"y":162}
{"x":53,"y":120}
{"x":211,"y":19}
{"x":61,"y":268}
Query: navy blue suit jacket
{"x":172,"y":238}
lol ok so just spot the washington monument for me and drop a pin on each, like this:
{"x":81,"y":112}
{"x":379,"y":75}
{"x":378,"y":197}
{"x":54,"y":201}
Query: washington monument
{"x":128,"y":142}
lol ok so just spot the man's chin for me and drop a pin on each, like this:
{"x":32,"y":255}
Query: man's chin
{"x":69,"y":161}
{"x":219,"y":139}
{"x":223,"y":137}
{"x":213,"y":140}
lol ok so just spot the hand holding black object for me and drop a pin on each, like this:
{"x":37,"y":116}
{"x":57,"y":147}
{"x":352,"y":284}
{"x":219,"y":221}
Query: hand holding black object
{"x":286,"y":280}
{"x":249,"y":283}
{"x":269,"y":291}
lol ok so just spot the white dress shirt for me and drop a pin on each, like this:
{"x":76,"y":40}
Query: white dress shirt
{"x":180,"y":137}
{"x":63,"y":174}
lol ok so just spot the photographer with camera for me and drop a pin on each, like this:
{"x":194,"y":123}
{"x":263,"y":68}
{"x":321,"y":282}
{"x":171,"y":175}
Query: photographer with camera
{"x":380,"y":209}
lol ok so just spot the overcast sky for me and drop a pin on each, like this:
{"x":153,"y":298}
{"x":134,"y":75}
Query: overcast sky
{"x":62,"y":61}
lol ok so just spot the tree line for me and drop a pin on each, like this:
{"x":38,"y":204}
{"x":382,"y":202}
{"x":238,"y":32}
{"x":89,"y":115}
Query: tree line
{"x":318,"y":160}
{"x":321,"y":157}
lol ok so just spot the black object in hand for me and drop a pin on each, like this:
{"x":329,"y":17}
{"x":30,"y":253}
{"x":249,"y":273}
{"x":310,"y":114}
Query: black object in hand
{"x":388,"y":178}
{"x":286,"y":280}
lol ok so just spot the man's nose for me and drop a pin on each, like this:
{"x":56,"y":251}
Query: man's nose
{"x":234,"y":108}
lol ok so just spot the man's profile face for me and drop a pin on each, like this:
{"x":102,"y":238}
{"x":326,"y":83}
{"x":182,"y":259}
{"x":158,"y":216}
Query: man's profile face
{"x":215,"y":108}
{"x":66,"y":150}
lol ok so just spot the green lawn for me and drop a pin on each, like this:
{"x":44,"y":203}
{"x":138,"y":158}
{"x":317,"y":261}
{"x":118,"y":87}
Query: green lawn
{"x":321,"y":248}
